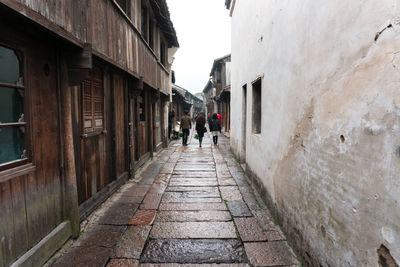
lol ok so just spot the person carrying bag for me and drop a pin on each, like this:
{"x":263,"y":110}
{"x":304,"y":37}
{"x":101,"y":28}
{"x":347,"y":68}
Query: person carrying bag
{"x":200,"y":127}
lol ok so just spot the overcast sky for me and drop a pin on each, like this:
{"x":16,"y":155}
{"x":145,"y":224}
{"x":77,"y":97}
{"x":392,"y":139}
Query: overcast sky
{"x":204,"y":34}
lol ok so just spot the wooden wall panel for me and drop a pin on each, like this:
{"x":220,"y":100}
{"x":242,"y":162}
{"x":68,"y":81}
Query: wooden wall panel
{"x":31,"y":204}
{"x":7,"y":244}
{"x":112,"y":36}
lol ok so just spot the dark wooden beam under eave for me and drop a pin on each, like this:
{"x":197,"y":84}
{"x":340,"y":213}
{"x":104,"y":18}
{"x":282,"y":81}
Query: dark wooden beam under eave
{"x":79,"y":65}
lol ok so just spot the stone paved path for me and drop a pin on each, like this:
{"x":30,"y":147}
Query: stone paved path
{"x":191,"y":207}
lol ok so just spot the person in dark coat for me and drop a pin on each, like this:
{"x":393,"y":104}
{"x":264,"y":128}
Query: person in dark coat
{"x":186,"y":125}
{"x":171,"y":116}
{"x":209,"y":119}
{"x":215,"y":127}
{"x":200,"y":127}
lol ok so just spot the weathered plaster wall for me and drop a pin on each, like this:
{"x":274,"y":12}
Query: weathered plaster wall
{"x":328,"y":154}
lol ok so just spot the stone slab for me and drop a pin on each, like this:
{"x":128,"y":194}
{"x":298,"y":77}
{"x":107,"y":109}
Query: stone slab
{"x":193,"y":251}
{"x":143,"y":217}
{"x":193,"y":182}
{"x":158,"y":188}
{"x":239,"y":209}
{"x":226,"y":181}
{"x":123,"y":263}
{"x":224,"y":174}
{"x":191,"y":200}
{"x":135,"y":191}
{"x":196,"y":174}
{"x":100,"y":235}
{"x":197,"y":167}
{"x":167,"y":168}
{"x":118,"y":214}
{"x":151,"y":201}
{"x":193,"y":216}
{"x":193,"y":230}
{"x":194,"y":265}
{"x":193,"y":189}
{"x":270,"y":254}
{"x":250,"y":230}
{"x":84,"y":257}
{"x":132,"y":242}
{"x":192,"y":206}
{"x":274,"y":236}
{"x":230,"y":193}
{"x":127,"y":199}
{"x":192,"y":194}
{"x":199,"y":160}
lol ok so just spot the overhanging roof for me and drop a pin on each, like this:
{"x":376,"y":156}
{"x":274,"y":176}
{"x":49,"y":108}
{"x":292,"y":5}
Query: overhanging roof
{"x":161,"y":12}
{"x":217,"y":62}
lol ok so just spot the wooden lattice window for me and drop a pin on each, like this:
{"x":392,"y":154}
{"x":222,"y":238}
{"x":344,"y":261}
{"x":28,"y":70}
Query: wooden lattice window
{"x":14,"y":140}
{"x":93,"y":103}
{"x":142,"y":107}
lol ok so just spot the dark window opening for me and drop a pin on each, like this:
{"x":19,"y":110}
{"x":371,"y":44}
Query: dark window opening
{"x":256,"y":129}
{"x":142,"y":113}
{"x":125,"y":5}
{"x":93,"y":103}
{"x":163,"y":53}
{"x":144,"y":23}
{"x":151,"y":34}
{"x":13,"y":125}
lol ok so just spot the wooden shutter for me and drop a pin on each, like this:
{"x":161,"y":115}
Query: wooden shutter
{"x":87,"y":106}
{"x":93,"y":103}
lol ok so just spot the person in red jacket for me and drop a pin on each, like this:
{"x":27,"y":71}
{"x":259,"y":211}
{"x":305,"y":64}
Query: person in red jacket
{"x":220,"y":118}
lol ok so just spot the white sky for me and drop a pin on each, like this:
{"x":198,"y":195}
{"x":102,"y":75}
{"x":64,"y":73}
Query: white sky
{"x":204,"y":34}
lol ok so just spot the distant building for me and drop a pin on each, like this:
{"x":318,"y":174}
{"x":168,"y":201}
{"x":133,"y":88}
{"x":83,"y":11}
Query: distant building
{"x":218,"y":89}
{"x":183,"y":100}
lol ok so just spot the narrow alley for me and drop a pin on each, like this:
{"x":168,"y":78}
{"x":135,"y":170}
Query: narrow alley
{"x":190,"y":206}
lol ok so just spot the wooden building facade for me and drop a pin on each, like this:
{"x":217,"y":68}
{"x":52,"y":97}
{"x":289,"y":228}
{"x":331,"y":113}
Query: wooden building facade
{"x":218,"y":90}
{"x":180,"y":103}
{"x":84,"y":91}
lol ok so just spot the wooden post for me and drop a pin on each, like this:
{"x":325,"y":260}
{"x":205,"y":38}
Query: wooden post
{"x":69,"y":171}
{"x":164,"y":138}
{"x":149,"y":121}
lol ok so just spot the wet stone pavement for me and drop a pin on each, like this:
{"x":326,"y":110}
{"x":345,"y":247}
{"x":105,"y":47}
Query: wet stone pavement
{"x":190,"y":206}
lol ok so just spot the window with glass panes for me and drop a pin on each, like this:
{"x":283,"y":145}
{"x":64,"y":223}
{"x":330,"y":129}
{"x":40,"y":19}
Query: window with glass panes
{"x":13,"y":136}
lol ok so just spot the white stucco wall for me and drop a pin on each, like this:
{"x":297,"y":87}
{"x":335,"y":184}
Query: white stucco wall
{"x":324,"y":76}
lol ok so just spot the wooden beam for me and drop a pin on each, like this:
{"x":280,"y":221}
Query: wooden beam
{"x":79,"y":64}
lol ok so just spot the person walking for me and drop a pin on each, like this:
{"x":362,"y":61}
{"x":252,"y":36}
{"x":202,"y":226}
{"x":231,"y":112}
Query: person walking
{"x":215,"y":127}
{"x":209,"y":119}
{"x":171,"y":116}
{"x":200,"y":127}
{"x":186,"y":125}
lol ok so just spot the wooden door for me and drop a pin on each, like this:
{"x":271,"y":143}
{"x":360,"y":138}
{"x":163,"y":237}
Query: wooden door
{"x":143,"y":145}
{"x":132,"y":133}
{"x":93,"y":175}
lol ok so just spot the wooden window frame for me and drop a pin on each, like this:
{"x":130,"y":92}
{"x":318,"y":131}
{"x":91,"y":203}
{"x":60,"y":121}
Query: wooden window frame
{"x":20,"y":52}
